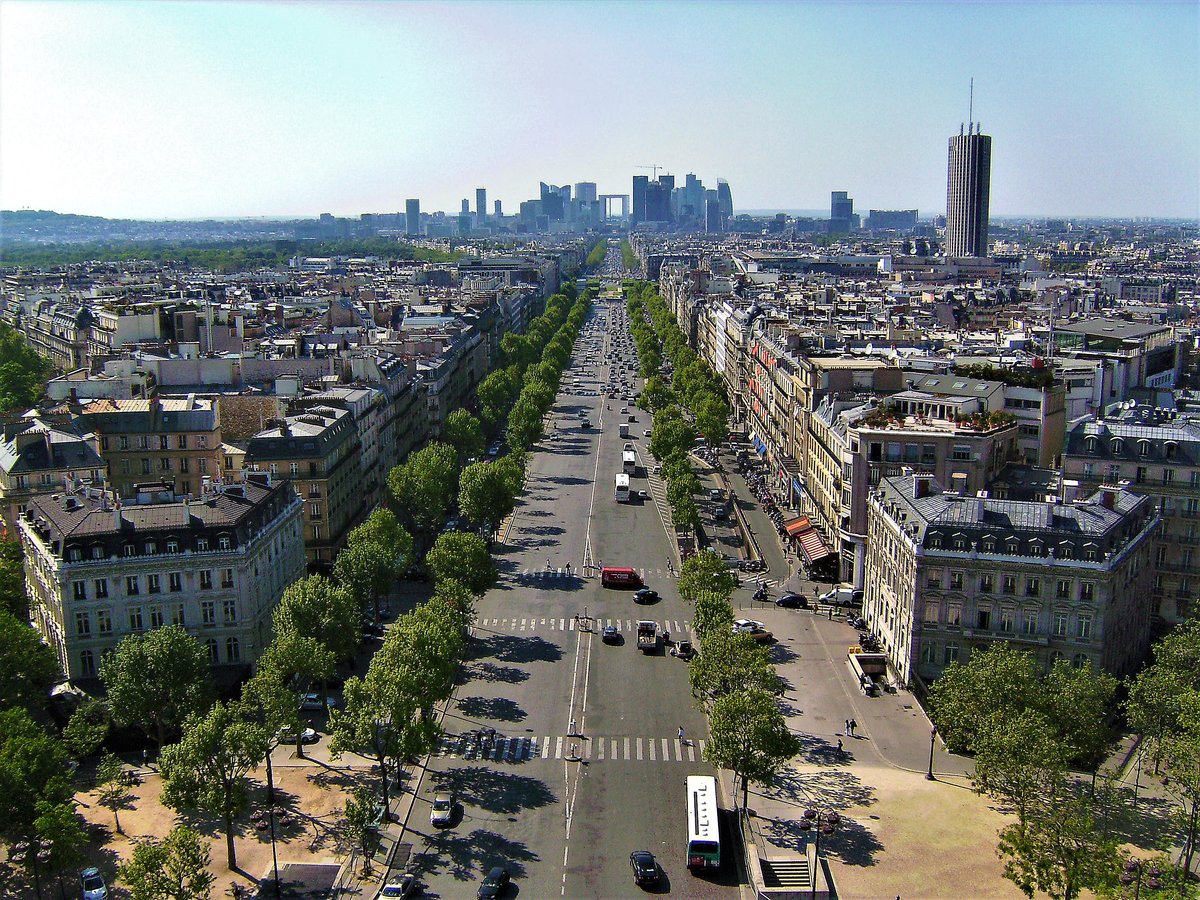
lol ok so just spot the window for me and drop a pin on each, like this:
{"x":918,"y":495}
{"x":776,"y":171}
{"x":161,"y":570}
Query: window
{"x":294,"y":469}
{"x":131,"y":585}
{"x":79,"y":590}
{"x":153,"y":584}
{"x":1087,"y":591}
{"x":223,"y":542}
{"x":123,"y":442}
{"x":87,"y":663}
{"x":104,"y":621}
{"x":211,"y":644}
{"x":961,"y":452}
{"x":951,"y":654}
{"x":175,"y":582}
{"x":987,"y":583}
{"x":273,"y":469}
{"x":1080,"y":661}
{"x":1140,"y":477}
{"x":933,"y":612}
{"x":135,"y":618}
{"x":183,"y":465}
{"x":101,"y":585}
{"x":933,"y":579}
{"x":1008,"y":584}
{"x":1006,"y":620}
{"x":145,"y":466}
{"x":1191,"y":506}
{"x":1084,"y":627}
{"x":205,"y":579}
{"x":229,"y":612}
{"x":1168,"y":476}
{"x":1029,"y":621}
{"x":208,"y":612}
{"x":164,"y":442}
{"x":1089,"y":470}
{"x":984,"y":618}
{"x":314,"y":510}
{"x":954,"y":615}
{"x":75,"y":554}
{"x":1116,"y":447}
{"x":129,"y":550}
{"x":1060,"y":624}
{"x":233,"y":651}
{"x":203,"y":466}
{"x":227,"y":578}
{"x":156,"y":616}
{"x":1114,"y":473}
{"x":177,"y":614}
{"x":929,"y":653}
{"x":164,"y":464}
{"x":181,"y":442}
{"x":1033,"y":587}
{"x":202,"y":440}
{"x":317,"y":533}
{"x":83,"y":624}
{"x":1062,"y":590}
{"x":126,"y":467}
{"x":956,"y":581}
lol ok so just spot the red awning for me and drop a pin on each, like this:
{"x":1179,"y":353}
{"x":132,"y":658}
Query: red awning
{"x":813,"y":546}
{"x":797,"y":526}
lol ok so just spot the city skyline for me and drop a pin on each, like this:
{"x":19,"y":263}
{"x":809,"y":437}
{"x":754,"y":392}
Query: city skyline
{"x":273,"y":110}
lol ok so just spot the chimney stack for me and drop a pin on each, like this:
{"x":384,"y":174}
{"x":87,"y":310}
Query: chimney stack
{"x":921,"y":486}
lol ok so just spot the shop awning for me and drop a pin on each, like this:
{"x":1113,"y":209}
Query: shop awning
{"x":760,"y":447}
{"x":813,"y":545}
{"x":797,"y":526}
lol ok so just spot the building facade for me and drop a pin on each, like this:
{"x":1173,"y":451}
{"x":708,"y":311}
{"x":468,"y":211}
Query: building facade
{"x":950,"y":573}
{"x":968,"y":187}
{"x":41,"y":455}
{"x":98,"y":569}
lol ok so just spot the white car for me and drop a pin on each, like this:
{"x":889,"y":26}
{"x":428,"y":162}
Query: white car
{"x":398,"y":887}
{"x":442,"y":810}
{"x":92,"y":884}
{"x":749,"y":626}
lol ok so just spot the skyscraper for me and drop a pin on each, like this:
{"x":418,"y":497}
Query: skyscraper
{"x":841,"y":212}
{"x":466,"y":207}
{"x":725,"y":198}
{"x":585,"y":191}
{"x":498,"y":209}
{"x":481,"y":204}
{"x":640,"y":183}
{"x":968,"y":185}
{"x":412,"y":217}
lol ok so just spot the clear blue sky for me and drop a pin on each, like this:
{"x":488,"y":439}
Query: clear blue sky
{"x":147,"y":109}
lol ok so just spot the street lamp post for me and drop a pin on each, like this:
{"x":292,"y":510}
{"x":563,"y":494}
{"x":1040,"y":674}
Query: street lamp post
{"x":932,"y":741}
{"x":819,"y":822}
{"x":1134,"y":870}
{"x":271,"y":819}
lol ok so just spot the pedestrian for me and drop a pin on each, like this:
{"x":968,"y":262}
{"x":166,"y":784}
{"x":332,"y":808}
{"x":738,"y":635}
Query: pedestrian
{"x":547,"y":564}
{"x":144,"y":758}
{"x":840,"y":751}
{"x":853,"y":725}
{"x":831,"y":614}
{"x":682,"y":736}
{"x":847,"y":726}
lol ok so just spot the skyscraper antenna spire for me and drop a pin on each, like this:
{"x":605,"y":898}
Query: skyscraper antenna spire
{"x":971,"y":104}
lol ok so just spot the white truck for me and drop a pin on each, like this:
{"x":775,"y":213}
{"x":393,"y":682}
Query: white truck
{"x":647,"y":636}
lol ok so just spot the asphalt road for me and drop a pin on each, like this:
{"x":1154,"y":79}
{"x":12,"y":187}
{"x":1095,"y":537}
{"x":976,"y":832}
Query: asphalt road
{"x":563,"y":813}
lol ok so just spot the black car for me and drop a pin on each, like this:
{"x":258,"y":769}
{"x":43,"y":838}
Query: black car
{"x":645,"y":595}
{"x":495,"y":884}
{"x":644,"y":866}
{"x":792,"y":601}
{"x":610,"y":635}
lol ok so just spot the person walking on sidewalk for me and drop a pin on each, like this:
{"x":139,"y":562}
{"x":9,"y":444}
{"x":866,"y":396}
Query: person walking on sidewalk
{"x":682,"y":736}
{"x":847,"y":726}
{"x":853,"y":725}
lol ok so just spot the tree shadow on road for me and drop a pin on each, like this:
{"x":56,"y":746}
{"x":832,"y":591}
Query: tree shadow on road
{"x":782,"y":654}
{"x":488,"y":671}
{"x":836,"y":789}
{"x":818,"y":751}
{"x":497,"y":708}
{"x":500,"y":791}
{"x":466,"y":857}
{"x":514,"y":649}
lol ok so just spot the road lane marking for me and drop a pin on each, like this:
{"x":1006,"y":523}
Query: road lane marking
{"x":650,"y":743}
{"x":691,"y":752}
{"x":627,"y":748}
{"x":638,"y":745}
{"x":666,"y":750}
{"x":558,"y":748}
{"x":546,"y":748}
{"x":613,"y":754}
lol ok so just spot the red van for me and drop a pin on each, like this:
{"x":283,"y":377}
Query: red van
{"x":620,"y":577}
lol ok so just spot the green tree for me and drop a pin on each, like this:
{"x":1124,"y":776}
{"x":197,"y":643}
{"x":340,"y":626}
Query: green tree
{"x":729,"y":663}
{"x":1062,"y":849}
{"x":749,"y":736}
{"x":712,"y":418}
{"x":156,"y":680}
{"x":1019,"y":759}
{"x":711,"y":614}
{"x":113,"y":787}
{"x":992,"y":684}
{"x":314,"y":607}
{"x":424,"y":485}
{"x":175,"y":868}
{"x":485,"y":495}
{"x":1163,"y":690}
{"x":456,"y":596}
{"x":706,"y":571}
{"x":87,"y":729}
{"x":207,"y":769}
{"x":1078,"y":701}
{"x":361,"y":825}
{"x":464,"y":433}
{"x":1181,"y":762}
{"x":524,"y":425}
{"x":463,"y":557}
{"x":13,"y":598}
{"x":27,"y":666}
{"x":496,"y":394}
{"x":671,"y":435}
{"x":59,"y":837}
{"x":22,"y":372}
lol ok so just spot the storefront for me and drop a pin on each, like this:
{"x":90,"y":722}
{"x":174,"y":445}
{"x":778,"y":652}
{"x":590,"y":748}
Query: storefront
{"x":815,"y":556}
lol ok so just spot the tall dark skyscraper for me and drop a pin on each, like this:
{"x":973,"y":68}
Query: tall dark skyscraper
{"x":968,"y":185}
{"x":412,"y":217}
{"x":725,"y":199}
{"x":640,"y":183}
{"x":481,"y":204}
{"x":841,"y":213}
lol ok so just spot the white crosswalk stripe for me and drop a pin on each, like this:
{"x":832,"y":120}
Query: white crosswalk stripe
{"x":555,"y":573}
{"x":504,"y":749}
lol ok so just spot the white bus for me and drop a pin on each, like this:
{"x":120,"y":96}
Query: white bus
{"x":629,"y":462}
{"x":703,"y":830}
{"x":622,"y":494}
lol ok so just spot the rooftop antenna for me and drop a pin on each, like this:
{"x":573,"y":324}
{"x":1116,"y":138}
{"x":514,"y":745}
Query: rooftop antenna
{"x":971,"y":106}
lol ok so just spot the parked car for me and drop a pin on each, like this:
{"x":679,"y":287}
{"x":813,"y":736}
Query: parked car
{"x":92,"y":884}
{"x":494,"y":884}
{"x":398,"y":887}
{"x":442,"y":810}
{"x":792,"y":601}
{"x":307,"y":736}
{"x":756,"y":630}
{"x":842,"y":596}
{"x":683,"y":650}
{"x":644,"y":866}
{"x":312,"y":702}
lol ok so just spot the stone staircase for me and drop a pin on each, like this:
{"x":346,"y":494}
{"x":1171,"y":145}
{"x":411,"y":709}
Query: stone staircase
{"x":785,"y":873}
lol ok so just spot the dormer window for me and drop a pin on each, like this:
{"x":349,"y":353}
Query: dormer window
{"x":202,"y":545}
{"x":1092,"y":444}
{"x":97,"y":551}
{"x":151,"y":548}
{"x":1144,"y":448}
{"x":74,"y":554}
{"x":129,"y":550}
{"x":1014,"y":547}
{"x":1116,"y":447}
{"x":1170,"y":449}
{"x":172,"y":546}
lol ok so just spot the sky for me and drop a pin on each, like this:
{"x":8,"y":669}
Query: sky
{"x":224,"y":109}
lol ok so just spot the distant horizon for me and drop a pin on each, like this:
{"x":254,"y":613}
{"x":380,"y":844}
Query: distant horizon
{"x":199,"y":109}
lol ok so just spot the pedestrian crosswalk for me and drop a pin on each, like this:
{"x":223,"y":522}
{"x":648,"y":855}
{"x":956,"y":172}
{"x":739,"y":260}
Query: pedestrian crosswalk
{"x":574,"y":623}
{"x":557,"y":573}
{"x":597,"y":749}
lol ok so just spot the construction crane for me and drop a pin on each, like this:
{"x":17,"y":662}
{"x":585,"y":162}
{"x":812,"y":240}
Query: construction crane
{"x":653,"y":167}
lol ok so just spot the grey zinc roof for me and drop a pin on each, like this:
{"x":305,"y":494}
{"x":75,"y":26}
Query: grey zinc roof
{"x":67,"y":451}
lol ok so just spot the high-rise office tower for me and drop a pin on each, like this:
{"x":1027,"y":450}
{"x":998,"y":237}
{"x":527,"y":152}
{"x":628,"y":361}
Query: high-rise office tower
{"x":497,"y":209}
{"x":725,"y":198}
{"x":585,"y":191}
{"x":640,"y":184}
{"x":412,"y":217}
{"x":481,"y":204}
{"x":841,"y":213}
{"x":466,"y":207}
{"x":712,"y":212}
{"x":968,"y":185}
